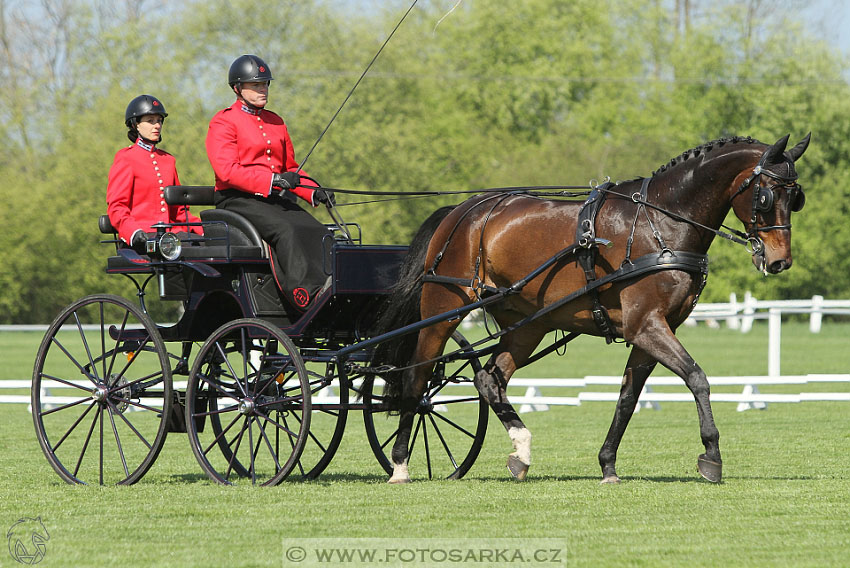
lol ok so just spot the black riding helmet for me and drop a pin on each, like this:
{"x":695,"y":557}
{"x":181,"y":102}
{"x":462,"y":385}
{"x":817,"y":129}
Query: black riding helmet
{"x":138,"y":107}
{"x":248,"y":69}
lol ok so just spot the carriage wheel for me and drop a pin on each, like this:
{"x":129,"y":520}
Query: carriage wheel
{"x":250,"y":384}
{"x":101,"y":392}
{"x":449,"y":428}
{"x":329,"y":402}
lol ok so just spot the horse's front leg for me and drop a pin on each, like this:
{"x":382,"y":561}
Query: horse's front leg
{"x":638,"y":369}
{"x":658,"y":340}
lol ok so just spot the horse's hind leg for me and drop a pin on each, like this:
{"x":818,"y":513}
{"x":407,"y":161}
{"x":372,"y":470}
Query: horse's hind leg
{"x":492,"y":382}
{"x":638,"y":368}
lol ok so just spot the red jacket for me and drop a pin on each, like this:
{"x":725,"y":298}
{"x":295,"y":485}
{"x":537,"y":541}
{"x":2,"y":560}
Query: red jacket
{"x":134,"y":196}
{"x":246,"y":149}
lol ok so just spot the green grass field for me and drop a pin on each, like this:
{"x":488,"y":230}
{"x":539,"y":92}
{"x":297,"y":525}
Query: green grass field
{"x":785,"y":500}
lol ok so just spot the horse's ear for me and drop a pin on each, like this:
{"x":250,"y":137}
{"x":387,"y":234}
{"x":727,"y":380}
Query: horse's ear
{"x":798,"y":150}
{"x":774,"y":153}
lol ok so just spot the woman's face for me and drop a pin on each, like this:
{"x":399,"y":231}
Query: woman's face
{"x":256,"y":93}
{"x":150,"y":127}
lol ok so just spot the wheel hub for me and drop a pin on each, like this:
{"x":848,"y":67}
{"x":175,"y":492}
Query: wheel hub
{"x":246,"y":406}
{"x":100,"y":393}
{"x":426,"y":406}
{"x":120,"y":381}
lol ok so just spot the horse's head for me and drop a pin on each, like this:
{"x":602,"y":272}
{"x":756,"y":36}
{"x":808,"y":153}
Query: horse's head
{"x":773,"y":194}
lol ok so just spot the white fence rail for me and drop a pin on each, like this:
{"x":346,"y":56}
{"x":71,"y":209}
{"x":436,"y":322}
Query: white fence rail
{"x":749,"y":398}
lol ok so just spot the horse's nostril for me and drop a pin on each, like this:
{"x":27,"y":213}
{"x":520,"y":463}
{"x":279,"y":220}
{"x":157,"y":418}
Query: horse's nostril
{"x":778,"y":266}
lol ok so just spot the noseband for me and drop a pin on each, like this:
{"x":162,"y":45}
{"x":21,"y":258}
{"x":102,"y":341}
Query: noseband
{"x":763,"y":200}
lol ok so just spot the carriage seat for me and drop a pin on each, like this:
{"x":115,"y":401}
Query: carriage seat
{"x":221,"y":227}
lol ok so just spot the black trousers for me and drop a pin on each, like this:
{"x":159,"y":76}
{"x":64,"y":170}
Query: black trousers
{"x":296,"y":238}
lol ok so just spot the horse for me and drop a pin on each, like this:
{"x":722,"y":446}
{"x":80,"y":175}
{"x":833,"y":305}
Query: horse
{"x":628,"y":264}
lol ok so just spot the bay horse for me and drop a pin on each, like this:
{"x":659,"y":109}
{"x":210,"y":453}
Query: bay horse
{"x":646,"y":240}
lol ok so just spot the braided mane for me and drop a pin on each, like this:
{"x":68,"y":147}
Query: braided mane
{"x":707,"y":147}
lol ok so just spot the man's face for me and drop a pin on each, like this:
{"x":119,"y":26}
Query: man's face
{"x":256,"y":93}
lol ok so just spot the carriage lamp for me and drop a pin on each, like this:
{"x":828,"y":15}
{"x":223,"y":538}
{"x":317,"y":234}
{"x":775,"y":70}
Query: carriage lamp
{"x":167,"y":245}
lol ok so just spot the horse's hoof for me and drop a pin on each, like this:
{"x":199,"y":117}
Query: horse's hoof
{"x":609,"y":479}
{"x":398,"y":480}
{"x":517,"y":468}
{"x":711,"y":470}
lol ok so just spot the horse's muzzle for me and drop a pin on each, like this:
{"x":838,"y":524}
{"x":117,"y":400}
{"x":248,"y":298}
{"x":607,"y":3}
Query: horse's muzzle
{"x":778,"y":266}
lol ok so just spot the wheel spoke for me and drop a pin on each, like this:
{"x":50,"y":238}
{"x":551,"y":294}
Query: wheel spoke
{"x":130,"y":425}
{"x":233,"y":374}
{"x":221,"y":434}
{"x":217,"y":411}
{"x":138,"y":404}
{"x":63,"y":407}
{"x":265,"y":437}
{"x":85,"y":343}
{"x":252,"y":454}
{"x":71,"y":429}
{"x":118,"y":440}
{"x":235,"y":450}
{"x":86,"y":442}
{"x":427,"y":447}
{"x":278,"y":425}
{"x":43,"y":376}
{"x":443,"y":441}
{"x":455,"y":425}
{"x":413,"y":439}
{"x":74,"y":360}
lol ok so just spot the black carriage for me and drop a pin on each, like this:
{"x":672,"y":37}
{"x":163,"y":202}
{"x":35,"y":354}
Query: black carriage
{"x":257,"y":385}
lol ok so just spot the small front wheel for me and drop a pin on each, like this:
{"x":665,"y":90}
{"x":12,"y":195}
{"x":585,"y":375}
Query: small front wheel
{"x":248,"y":404}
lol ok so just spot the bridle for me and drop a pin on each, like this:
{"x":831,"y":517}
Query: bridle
{"x":764,"y":198}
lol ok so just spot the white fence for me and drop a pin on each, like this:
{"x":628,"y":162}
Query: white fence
{"x":740,"y":315}
{"x":736,"y":315}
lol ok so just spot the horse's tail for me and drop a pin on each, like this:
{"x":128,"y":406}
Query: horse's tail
{"x":402,"y":308}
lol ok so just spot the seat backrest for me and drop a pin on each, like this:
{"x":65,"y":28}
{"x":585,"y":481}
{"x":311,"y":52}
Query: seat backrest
{"x":189,"y":194}
{"x":105,"y":225}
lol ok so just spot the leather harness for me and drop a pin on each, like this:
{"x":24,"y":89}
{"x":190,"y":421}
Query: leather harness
{"x":585,"y":250}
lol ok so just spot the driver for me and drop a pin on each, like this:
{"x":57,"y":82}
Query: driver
{"x":256,"y":176}
{"x":138,"y":176}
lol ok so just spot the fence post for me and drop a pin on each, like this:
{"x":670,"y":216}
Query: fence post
{"x":733,"y":322}
{"x":816,"y":314}
{"x":774,"y":340}
{"x":749,"y":310}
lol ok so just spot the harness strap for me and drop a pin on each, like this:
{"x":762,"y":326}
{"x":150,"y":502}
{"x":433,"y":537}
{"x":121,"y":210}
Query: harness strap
{"x":586,"y":256}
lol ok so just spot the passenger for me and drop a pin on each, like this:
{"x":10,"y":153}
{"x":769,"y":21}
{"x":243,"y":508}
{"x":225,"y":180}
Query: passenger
{"x":255,"y":175}
{"x":138,"y":176}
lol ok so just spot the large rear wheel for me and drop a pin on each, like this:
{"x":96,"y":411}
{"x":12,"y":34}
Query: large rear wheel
{"x":248,"y":404}
{"x":450,"y":425}
{"x":101,"y":392}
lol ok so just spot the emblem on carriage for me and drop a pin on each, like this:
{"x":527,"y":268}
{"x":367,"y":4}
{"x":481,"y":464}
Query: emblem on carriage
{"x":301,"y":297}
{"x":27,"y":540}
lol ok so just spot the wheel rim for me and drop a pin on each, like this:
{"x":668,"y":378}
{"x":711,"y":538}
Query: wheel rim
{"x":449,"y":427}
{"x":248,"y":404}
{"x":101,"y":392}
